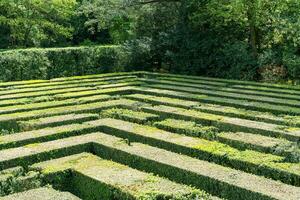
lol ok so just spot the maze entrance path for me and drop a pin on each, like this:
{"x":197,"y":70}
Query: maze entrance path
{"x":147,"y":136}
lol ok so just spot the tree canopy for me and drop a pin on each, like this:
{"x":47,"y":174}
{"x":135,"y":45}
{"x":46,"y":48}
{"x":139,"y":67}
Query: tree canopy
{"x":35,"y":22}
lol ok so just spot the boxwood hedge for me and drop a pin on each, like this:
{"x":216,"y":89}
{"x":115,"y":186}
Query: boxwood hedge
{"x":25,"y":64}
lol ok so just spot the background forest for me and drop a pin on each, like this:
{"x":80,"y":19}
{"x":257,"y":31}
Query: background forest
{"x":238,"y":39}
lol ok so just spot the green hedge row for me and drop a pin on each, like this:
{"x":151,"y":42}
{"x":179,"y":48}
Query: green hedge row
{"x":26,"y":64}
{"x":180,"y":175}
{"x":218,"y":153}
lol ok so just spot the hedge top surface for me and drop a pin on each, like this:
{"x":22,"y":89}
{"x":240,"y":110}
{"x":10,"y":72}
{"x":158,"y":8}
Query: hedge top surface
{"x":137,"y":183}
{"x":57,"y":48}
{"x":45,"y":192}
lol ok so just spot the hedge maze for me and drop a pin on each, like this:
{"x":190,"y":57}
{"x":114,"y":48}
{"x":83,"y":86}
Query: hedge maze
{"x":149,"y":136}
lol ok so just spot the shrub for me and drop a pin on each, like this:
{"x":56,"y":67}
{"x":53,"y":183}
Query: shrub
{"x":137,"y":55}
{"x":280,"y":64}
{"x":25,"y":64}
{"x":273,"y":73}
{"x":291,"y":59}
{"x":236,"y":62}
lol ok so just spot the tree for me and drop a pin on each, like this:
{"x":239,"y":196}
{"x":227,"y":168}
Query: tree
{"x":35,"y":22}
{"x":111,"y":15}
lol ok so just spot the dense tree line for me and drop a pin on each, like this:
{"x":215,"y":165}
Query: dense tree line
{"x":243,"y":39}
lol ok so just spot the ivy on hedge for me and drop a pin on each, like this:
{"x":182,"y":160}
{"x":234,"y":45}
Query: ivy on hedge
{"x":26,"y":64}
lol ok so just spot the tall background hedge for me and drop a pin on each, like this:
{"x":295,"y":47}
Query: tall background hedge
{"x":58,"y":62}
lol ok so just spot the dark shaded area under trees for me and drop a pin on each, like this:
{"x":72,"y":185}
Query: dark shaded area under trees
{"x":238,"y":39}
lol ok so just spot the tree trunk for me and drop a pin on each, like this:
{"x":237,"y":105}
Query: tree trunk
{"x":253,"y":36}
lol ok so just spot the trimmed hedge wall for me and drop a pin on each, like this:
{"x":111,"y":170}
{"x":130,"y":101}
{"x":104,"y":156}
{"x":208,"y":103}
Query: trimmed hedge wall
{"x":26,"y":64}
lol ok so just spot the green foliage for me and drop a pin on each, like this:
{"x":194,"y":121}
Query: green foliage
{"x":235,"y":62}
{"x":188,"y":128}
{"x":35,"y":22}
{"x":130,"y":115}
{"x":107,"y":15}
{"x":15,"y":180}
{"x":291,"y":60}
{"x":222,"y":164}
{"x":6,"y":132}
{"x":138,"y":54}
{"x":293,"y":150}
{"x":57,"y":62}
{"x":216,"y":38}
{"x":237,"y":39}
